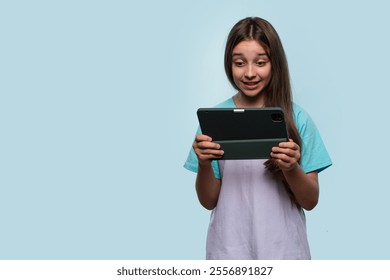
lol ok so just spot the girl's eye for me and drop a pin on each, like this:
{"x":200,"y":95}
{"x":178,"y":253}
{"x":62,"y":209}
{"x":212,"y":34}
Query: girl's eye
{"x":238,"y":63}
{"x":261,"y":63}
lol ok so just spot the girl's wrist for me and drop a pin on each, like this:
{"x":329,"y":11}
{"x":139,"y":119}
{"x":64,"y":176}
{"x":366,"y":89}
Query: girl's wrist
{"x":290,"y":169}
{"x":204,"y":163}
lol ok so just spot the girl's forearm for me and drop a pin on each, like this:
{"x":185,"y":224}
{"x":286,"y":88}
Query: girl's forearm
{"x":304,"y":186}
{"x":207,"y":186}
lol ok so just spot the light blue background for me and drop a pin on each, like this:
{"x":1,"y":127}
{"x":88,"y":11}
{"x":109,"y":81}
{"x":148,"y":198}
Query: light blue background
{"x":97,"y":115}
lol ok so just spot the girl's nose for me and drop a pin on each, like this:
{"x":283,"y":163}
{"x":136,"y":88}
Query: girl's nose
{"x":249,"y":74}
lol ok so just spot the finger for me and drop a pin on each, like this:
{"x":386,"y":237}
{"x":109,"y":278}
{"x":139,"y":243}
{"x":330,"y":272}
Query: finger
{"x":210,"y":154}
{"x":289,"y":145}
{"x":286,"y":166}
{"x":287,"y":151}
{"x":202,"y":142}
{"x":284,"y":161}
{"x":208,"y":145}
{"x":282,"y":157}
{"x":202,"y":137}
{"x":288,"y":156}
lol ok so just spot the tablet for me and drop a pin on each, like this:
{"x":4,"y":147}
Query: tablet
{"x":244,"y":133}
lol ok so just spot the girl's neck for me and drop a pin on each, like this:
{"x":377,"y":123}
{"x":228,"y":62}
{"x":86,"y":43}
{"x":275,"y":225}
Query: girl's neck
{"x":243,"y":101}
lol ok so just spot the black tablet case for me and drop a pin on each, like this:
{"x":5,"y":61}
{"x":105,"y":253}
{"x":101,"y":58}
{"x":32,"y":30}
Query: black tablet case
{"x":244,"y":133}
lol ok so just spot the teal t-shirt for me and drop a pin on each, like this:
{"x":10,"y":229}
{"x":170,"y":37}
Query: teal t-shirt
{"x":314,"y":156}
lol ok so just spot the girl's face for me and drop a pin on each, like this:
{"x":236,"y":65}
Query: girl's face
{"x":251,"y":68}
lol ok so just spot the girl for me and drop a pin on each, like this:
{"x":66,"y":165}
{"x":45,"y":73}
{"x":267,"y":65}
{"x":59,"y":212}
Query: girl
{"x":257,"y":205}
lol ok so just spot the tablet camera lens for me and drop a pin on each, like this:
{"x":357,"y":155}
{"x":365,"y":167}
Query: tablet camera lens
{"x":277,"y":117}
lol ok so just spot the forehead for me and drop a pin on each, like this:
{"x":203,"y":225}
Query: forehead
{"x":249,"y":47}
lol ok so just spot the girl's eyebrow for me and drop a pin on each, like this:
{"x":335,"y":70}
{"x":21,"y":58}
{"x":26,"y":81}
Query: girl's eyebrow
{"x":240,"y":54}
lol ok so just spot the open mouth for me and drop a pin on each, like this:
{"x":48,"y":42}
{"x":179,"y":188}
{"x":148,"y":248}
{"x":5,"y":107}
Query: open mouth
{"x":251,"y":85}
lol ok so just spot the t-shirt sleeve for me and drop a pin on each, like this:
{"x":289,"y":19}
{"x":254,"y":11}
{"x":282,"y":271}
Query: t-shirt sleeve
{"x":192,"y":162}
{"x":314,"y":156}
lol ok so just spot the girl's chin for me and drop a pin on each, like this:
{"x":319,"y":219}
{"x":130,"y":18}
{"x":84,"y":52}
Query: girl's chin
{"x":251,"y":93}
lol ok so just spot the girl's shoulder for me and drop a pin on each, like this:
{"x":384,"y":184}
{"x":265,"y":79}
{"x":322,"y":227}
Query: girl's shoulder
{"x":299,"y":114}
{"x":314,"y":156}
{"x":303,"y":121}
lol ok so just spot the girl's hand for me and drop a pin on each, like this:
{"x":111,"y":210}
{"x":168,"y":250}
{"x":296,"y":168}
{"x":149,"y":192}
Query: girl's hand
{"x":287,"y":155}
{"x":205,"y":149}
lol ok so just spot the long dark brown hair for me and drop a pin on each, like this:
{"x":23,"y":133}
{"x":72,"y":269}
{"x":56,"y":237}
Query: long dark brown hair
{"x":278,"y":91}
